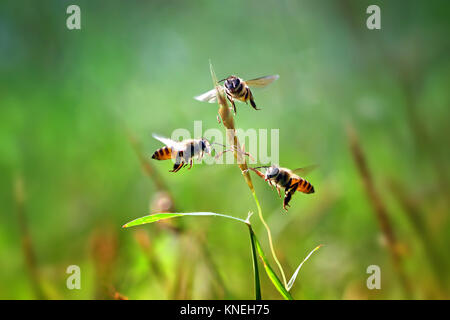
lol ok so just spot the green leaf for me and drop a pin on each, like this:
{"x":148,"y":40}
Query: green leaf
{"x":294,"y":276}
{"x":161,"y":216}
{"x":272,"y":275}
{"x":255,"y":266}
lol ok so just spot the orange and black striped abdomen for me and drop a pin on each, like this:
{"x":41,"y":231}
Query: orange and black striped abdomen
{"x":163,"y":153}
{"x":304,"y":186}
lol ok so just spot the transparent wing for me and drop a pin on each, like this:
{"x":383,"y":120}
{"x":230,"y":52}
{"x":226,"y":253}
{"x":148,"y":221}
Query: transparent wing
{"x":168,"y":142}
{"x":209,"y":96}
{"x":262,"y":82}
{"x":305,"y":170}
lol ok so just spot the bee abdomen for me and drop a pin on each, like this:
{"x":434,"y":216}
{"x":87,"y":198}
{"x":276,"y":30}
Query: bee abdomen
{"x":163,"y":153}
{"x":305,"y":187}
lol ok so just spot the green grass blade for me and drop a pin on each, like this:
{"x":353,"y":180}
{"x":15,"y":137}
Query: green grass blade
{"x":255,"y":265}
{"x":161,"y":216}
{"x":294,"y":276}
{"x":270,"y":273}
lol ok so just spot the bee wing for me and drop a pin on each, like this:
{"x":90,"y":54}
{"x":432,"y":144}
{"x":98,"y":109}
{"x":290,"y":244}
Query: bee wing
{"x":262,"y":82}
{"x":168,"y":142}
{"x":209,"y":96}
{"x":305,"y":170}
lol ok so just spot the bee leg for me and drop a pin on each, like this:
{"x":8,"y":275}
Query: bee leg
{"x":278,"y":190}
{"x":230,"y":98}
{"x":182,"y":164}
{"x":177,"y":166}
{"x":288,"y":195}
{"x":252,"y":102}
{"x":286,"y":200}
{"x":190,"y":164}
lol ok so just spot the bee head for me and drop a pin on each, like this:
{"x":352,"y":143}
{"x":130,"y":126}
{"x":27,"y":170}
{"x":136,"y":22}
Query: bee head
{"x":232,"y":83}
{"x":272,"y":172}
{"x":206,"y":146}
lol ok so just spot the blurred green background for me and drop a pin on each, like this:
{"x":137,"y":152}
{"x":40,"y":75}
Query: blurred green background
{"x":72,"y":103}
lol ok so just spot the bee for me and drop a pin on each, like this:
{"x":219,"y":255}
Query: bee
{"x":287,"y":179}
{"x":184,"y":152}
{"x":237,"y":88}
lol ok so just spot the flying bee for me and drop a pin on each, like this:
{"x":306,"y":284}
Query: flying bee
{"x":287,"y":179}
{"x":184,"y":152}
{"x":238,"y":89}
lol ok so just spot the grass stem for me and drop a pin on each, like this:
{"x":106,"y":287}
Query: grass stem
{"x":269,"y":236}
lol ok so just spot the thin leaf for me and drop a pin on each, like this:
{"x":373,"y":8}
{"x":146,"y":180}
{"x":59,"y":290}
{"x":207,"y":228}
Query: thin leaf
{"x":270,"y":273}
{"x":294,"y":276}
{"x":255,"y":266}
{"x":161,"y":216}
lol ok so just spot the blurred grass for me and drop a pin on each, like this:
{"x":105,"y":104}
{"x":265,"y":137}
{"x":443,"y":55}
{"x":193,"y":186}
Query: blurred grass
{"x":67,"y":95}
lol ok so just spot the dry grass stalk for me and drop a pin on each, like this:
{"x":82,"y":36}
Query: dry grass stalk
{"x":104,"y":251}
{"x":27,"y":244}
{"x":415,"y":216}
{"x":228,"y":121}
{"x":379,"y":208}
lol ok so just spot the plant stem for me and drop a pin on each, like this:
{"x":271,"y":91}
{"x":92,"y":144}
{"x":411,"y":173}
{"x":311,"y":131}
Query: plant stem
{"x":228,"y":122}
{"x":269,"y":235}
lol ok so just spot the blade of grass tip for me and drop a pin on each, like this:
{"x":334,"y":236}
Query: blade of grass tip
{"x":255,"y":265}
{"x":294,"y":276}
{"x":228,"y":122}
{"x":213,"y":74}
{"x":270,"y":273}
{"x":161,"y":216}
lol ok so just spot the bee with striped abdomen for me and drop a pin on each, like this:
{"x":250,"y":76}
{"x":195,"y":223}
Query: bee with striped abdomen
{"x":238,"y":89}
{"x":286,"y":179}
{"x":182,"y":152}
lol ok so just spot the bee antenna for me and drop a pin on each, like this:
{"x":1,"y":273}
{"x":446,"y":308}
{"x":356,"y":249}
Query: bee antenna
{"x":261,"y":167}
{"x":222,"y":80}
{"x":219,"y":144}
